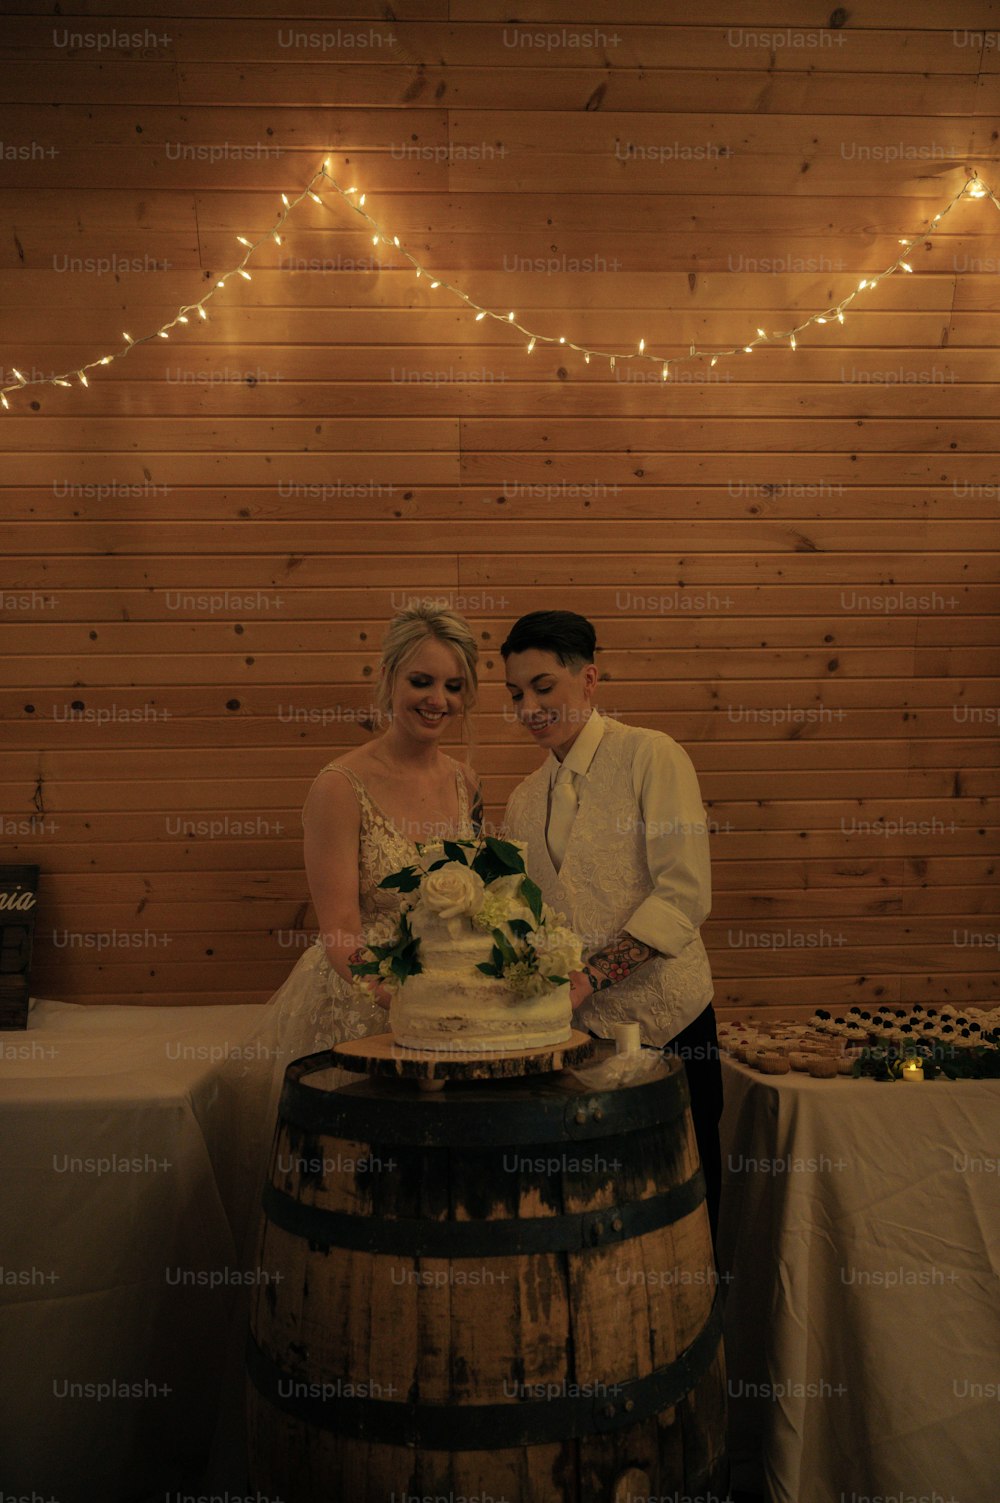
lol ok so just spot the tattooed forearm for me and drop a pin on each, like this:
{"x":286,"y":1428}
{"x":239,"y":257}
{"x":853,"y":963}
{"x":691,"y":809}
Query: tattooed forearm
{"x":617,"y":960}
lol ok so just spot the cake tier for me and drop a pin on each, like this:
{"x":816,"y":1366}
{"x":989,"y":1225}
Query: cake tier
{"x":436,"y":1010}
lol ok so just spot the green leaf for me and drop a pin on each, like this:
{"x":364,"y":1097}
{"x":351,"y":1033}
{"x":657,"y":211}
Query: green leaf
{"x":487,"y":969}
{"x":486,"y":866}
{"x":454,"y":851}
{"x":520,"y":927}
{"x":507,"y":953}
{"x":369,"y":968}
{"x":508,"y":855}
{"x":532,"y":895}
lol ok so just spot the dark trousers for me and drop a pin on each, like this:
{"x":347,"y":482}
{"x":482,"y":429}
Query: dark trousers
{"x":698,"y":1046}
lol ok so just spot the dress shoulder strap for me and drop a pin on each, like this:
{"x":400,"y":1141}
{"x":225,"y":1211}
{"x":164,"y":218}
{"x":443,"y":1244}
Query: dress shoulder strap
{"x":348,"y":772}
{"x":359,"y":788}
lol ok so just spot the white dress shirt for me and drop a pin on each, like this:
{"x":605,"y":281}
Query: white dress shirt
{"x":635,"y":860}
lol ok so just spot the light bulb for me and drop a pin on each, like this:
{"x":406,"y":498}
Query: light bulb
{"x":128,"y":337}
{"x":245,"y":275}
{"x":531,"y":344}
{"x":203,"y":313}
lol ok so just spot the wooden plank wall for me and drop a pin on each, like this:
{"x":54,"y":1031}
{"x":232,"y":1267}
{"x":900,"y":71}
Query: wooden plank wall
{"x":790,"y":557}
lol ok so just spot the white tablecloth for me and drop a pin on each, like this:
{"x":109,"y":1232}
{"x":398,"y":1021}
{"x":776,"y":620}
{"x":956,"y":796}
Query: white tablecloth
{"x":121,"y":1191}
{"x":859,"y":1247}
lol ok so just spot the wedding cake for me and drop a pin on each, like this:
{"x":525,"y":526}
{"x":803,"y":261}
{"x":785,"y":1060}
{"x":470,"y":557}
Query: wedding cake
{"x":478,"y":961}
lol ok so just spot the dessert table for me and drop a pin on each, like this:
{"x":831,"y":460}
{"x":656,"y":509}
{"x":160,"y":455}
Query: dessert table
{"x":859,"y":1248}
{"x":122,"y":1203}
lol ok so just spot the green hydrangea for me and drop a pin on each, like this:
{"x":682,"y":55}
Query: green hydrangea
{"x":491,"y":915}
{"x":524,"y":980}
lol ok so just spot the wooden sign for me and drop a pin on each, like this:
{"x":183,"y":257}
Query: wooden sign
{"x":18,"y":893}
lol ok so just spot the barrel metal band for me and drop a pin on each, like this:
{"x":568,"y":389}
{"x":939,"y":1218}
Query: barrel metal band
{"x":421,"y":1238}
{"x":594,"y":1407}
{"x":391,"y":1112}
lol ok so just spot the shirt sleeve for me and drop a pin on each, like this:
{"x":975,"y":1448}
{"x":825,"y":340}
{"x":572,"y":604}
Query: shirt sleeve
{"x":675,"y":828}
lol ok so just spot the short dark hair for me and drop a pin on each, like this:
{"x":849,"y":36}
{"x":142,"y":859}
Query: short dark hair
{"x":570,"y":637}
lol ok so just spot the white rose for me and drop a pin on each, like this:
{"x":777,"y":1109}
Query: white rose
{"x":558,"y":950}
{"x":452,"y":889}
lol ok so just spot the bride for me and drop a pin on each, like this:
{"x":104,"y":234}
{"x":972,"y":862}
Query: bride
{"x":363,"y":816}
{"x":366,"y":811}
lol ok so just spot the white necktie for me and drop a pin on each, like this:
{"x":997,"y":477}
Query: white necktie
{"x":561,"y":815}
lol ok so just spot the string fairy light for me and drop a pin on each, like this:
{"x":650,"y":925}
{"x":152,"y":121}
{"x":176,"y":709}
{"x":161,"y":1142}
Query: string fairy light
{"x":973,"y":187}
{"x":182,"y":314}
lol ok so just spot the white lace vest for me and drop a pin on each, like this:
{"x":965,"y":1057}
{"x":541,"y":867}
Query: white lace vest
{"x":603,"y":879}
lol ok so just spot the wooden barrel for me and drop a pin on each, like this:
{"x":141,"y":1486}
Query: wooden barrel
{"x":504,"y":1291}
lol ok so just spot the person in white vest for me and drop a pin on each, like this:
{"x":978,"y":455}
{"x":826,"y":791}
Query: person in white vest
{"x":617,"y":840}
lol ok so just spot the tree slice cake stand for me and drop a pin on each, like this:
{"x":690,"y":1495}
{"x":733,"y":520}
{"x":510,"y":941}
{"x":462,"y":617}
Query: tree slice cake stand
{"x":380,"y":1054}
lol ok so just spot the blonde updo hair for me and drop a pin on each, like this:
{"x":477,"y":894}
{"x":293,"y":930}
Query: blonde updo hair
{"x":411,"y":626}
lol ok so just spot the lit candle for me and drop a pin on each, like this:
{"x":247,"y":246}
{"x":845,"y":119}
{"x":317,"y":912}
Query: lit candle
{"x":912,"y":1069}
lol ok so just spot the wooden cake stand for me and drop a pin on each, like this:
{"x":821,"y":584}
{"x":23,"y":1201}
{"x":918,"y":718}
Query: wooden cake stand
{"x":432,"y":1069}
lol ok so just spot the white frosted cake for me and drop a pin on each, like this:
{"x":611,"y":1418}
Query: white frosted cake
{"x":479,"y":961}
